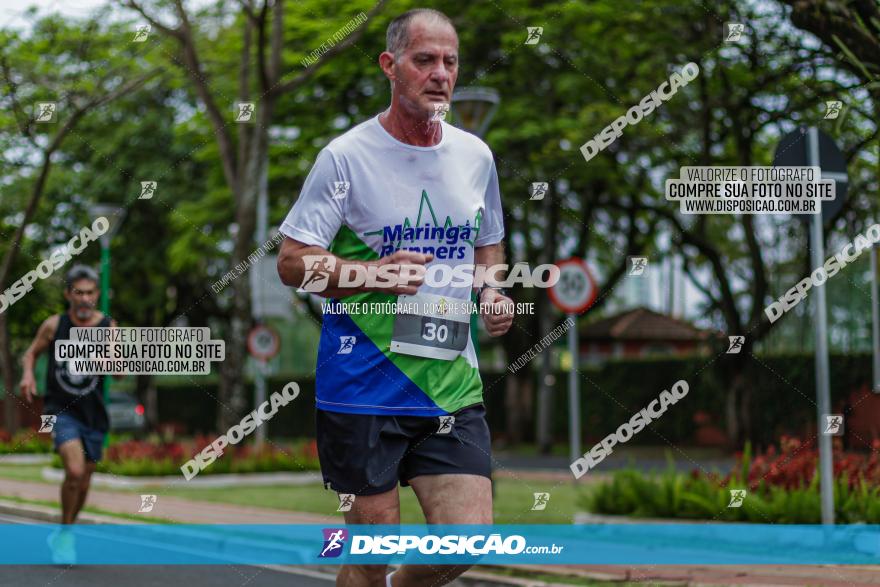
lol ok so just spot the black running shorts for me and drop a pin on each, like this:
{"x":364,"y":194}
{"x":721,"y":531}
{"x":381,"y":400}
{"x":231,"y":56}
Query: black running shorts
{"x":366,"y":455}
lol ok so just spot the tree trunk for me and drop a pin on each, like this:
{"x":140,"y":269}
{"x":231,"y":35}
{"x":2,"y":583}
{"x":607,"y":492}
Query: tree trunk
{"x":233,"y":391}
{"x":10,"y":405}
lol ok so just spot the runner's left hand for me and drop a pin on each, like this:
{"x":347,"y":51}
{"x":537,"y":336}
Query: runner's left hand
{"x":497,"y":311}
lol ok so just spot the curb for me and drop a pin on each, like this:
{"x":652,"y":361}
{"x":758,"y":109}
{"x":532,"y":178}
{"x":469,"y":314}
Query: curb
{"x":25,"y":459}
{"x":52,"y":515}
{"x":220,"y":480}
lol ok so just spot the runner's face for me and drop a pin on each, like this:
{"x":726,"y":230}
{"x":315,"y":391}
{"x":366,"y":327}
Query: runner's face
{"x":83,"y":296}
{"x":427,"y":69}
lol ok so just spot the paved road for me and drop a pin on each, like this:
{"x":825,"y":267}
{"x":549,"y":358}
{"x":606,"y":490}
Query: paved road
{"x":153,"y":576}
{"x":158,"y":576}
{"x":142,"y":576}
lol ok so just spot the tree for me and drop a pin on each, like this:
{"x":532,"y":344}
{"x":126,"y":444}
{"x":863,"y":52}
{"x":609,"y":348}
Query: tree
{"x":264,"y":76}
{"x":46,"y":67}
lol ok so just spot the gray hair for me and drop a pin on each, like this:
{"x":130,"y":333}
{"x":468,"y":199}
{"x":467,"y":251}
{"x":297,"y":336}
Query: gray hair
{"x":397,"y":35}
{"x":78,"y":272}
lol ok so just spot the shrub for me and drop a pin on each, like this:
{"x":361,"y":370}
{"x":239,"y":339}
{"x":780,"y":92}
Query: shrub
{"x":782,"y":488}
{"x":155,"y":458}
{"x":24,"y":442}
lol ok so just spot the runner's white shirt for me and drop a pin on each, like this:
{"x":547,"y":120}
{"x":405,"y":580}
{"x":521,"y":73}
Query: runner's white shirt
{"x":367,"y":196}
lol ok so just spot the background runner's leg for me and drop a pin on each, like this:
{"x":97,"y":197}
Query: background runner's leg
{"x":447,"y":499}
{"x":73,"y":456}
{"x":383,"y":508}
{"x":84,"y":488}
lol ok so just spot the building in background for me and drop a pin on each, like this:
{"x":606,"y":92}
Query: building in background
{"x":641,"y":332}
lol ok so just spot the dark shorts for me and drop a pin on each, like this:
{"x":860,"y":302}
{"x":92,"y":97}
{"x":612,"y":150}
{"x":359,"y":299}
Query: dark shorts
{"x":69,"y":428}
{"x":366,"y":455}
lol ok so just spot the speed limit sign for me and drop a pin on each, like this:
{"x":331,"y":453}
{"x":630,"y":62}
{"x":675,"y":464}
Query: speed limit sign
{"x":576,"y":289}
{"x":263,"y":343}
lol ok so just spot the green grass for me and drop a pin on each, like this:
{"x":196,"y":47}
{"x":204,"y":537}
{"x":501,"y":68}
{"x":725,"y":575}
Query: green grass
{"x":22,"y":472}
{"x":91,"y":510}
{"x":513,"y":498}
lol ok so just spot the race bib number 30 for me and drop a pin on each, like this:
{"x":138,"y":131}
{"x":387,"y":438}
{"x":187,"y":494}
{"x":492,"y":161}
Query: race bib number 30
{"x":430,"y":326}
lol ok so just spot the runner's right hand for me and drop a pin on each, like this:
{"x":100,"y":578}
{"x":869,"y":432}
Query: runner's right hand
{"x":28,"y":387}
{"x":409,"y":271}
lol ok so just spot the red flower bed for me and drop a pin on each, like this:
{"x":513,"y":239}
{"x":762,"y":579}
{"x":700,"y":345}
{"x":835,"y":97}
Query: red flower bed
{"x":180,"y":452}
{"x":796,"y":462}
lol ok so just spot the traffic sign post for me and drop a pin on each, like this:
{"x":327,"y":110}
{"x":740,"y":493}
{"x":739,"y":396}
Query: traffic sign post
{"x":819,"y":150}
{"x":263,"y":343}
{"x":575,"y":291}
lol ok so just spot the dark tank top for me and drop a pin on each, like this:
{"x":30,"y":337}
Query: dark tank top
{"x":80,"y":396}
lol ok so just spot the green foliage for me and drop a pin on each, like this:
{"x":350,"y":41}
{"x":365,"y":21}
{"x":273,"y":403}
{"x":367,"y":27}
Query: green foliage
{"x":705,"y":497}
{"x":26,"y":442}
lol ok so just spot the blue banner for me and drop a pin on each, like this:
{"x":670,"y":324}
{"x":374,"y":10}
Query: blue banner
{"x":624,"y":544}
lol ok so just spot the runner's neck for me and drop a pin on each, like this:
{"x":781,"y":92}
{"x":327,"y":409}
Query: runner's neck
{"x":419,"y":132}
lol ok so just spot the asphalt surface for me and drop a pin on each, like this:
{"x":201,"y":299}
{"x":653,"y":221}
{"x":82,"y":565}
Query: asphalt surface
{"x":153,"y":576}
{"x":158,"y":576}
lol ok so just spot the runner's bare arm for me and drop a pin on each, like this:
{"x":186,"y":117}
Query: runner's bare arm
{"x":41,"y":342}
{"x":499,"y":316}
{"x":323,"y":273}
{"x":488,"y":256}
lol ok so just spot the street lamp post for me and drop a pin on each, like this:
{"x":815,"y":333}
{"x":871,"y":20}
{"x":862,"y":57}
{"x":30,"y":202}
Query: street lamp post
{"x":473,"y":108}
{"x":114,"y":216}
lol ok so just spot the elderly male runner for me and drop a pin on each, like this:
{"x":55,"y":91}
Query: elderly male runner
{"x":76,"y":401}
{"x":418,"y":193}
